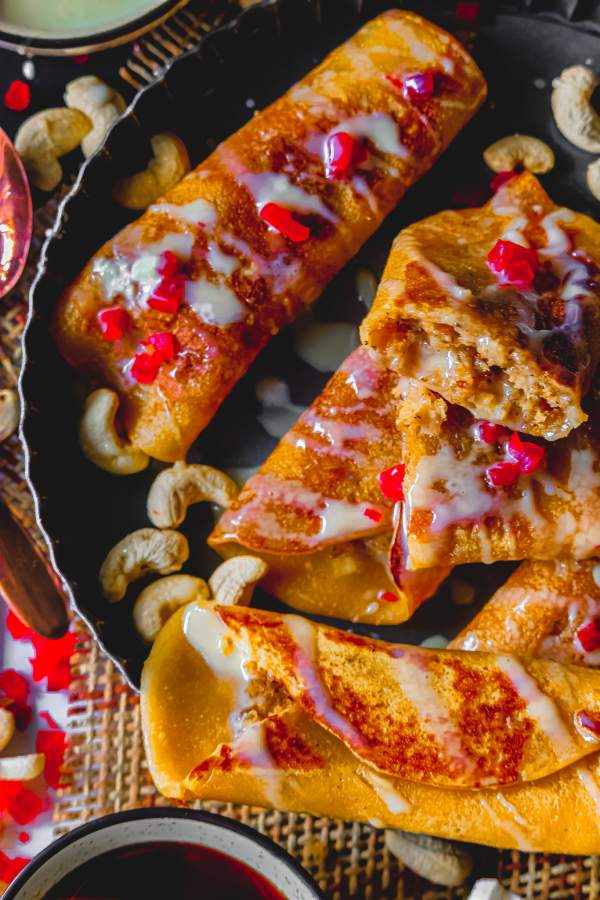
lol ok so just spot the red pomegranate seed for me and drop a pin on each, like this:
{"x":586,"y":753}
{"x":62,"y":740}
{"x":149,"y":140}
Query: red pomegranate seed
{"x":165,"y":343}
{"x":169,"y":264}
{"x":501,"y":179}
{"x":372,"y":514}
{"x":342,"y":151}
{"x":418,"y":85}
{"x":502,"y":474}
{"x":24,"y":837}
{"x":513,"y":264}
{"x":145,"y":367}
{"x":467,"y":11}
{"x":113,"y":323}
{"x":282,"y":220}
{"x":589,"y":636}
{"x":18,"y":96}
{"x":387,"y":597}
{"x":527,"y":455}
{"x":390,"y":482}
{"x":167,"y":296}
{"x":490,"y":433}
{"x":592,"y":723}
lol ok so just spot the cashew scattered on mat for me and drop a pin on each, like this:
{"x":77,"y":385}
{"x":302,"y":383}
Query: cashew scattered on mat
{"x":9,"y":413}
{"x":101,"y":103}
{"x":99,"y":439}
{"x":21,"y":768}
{"x":168,"y":166}
{"x":7,"y":727}
{"x":174,"y":489}
{"x":44,"y":137}
{"x":142,"y":551}
{"x":432,"y":858}
{"x":233,"y":582}
{"x":574,"y":115}
{"x":519,"y":150}
{"x":490,"y":889}
{"x":593,"y":178}
{"x":162,"y":598}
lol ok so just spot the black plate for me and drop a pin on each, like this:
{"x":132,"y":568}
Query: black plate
{"x":202,"y":97}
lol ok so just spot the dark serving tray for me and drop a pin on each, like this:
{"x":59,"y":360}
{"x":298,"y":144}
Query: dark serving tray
{"x":203,"y":97}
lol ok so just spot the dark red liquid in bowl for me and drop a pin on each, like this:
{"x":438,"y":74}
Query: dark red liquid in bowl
{"x":165,"y":870}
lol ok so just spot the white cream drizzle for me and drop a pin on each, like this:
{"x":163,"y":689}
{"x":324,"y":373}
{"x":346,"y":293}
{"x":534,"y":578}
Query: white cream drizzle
{"x":198,"y":212}
{"x":251,"y":748}
{"x":508,"y":826}
{"x":380,"y":129}
{"x":220,"y":262}
{"x":266,"y":187}
{"x":215,"y":304}
{"x":385,"y":789}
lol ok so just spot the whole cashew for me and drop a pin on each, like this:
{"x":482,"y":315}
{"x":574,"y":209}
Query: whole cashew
{"x":99,"y":439}
{"x":21,"y":768}
{"x":432,"y":858}
{"x":574,"y":115}
{"x":162,"y":598}
{"x":44,"y":137}
{"x":519,"y":150}
{"x":142,"y":551}
{"x":174,"y":489}
{"x":9,"y":413}
{"x":101,"y":103}
{"x":593,"y":178}
{"x":7,"y":727}
{"x":233,"y":582}
{"x":168,"y":165}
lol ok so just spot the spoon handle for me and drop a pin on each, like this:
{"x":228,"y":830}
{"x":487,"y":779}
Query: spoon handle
{"x":25,"y":581}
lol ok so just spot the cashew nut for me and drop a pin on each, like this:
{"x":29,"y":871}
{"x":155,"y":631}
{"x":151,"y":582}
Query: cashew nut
{"x":233,"y":582}
{"x":168,"y":165}
{"x":574,"y":115}
{"x":432,"y":858}
{"x":44,"y":137}
{"x":99,"y":439}
{"x":162,"y":598}
{"x":21,"y":768}
{"x":519,"y":150}
{"x":7,"y":727}
{"x":174,"y":489}
{"x":593,"y":178}
{"x":142,"y":551}
{"x":9,"y":413}
{"x":101,"y":103}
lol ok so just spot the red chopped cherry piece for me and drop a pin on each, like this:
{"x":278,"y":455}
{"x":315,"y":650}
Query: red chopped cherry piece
{"x":168,"y":265}
{"x":14,"y":685}
{"x":113,"y":323}
{"x":24,"y":837}
{"x":373,"y":514}
{"x":387,"y":597}
{"x":527,"y":455}
{"x":490,"y":433}
{"x":501,"y":179}
{"x":282,"y":220}
{"x":390,"y":482}
{"x":342,"y":151}
{"x":165,"y":344}
{"x":17,"y":629}
{"x":589,"y":636}
{"x":418,"y":85}
{"x":502,"y":474}
{"x":25,"y":806}
{"x":53,"y":745}
{"x":145,"y":367}
{"x":18,"y":96}
{"x":513,"y":264}
{"x":10,"y":868}
{"x":592,"y":723}
{"x":167,"y":296}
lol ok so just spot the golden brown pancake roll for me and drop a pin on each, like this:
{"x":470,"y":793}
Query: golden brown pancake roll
{"x":251,"y":237}
{"x":254,"y":707}
{"x":496,"y":309}
{"x":316,"y":512}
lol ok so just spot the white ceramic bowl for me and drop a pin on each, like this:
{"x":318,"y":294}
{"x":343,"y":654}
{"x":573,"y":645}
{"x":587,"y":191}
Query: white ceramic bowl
{"x":164,"y":824}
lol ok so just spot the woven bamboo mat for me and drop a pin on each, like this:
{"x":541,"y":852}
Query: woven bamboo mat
{"x":105,"y":766}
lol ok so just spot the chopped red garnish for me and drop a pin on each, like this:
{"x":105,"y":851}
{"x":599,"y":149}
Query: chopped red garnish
{"x":342,"y":151}
{"x":167,"y":296}
{"x":592,"y":723}
{"x":502,"y":178}
{"x":491,"y":433}
{"x":390,"y":482}
{"x":168,"y":265}
{"x":502,"y":474}
{"x":18,"y":96}
{"x":145,"y":367}
{"x":51,"y":660}
{"x":527,"y":455}
{"x":53,"y":745}
{"x":282,"y":220}
{"x":20,"y":803}
{"x":467,"y":11}
{"x":24,"y":837}
{"x":165,"y":343}
{"x":113,"y":323}
{"x":10,"y":868}
{"x":81,"y":58}
{"x":45,"y":715}
{"x":372,"y":514}
{"x":513,"y":264}
{"x":17,"y":629}
{"x":418,"y":85}
{"x":589,"y":636}
{"x":387,"y":596}
{"x":14,"y":685}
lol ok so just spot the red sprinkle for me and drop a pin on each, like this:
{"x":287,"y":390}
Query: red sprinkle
{"x":467,"y":11}
{"x":20,"y":803}
{"x":501,"y":179}
{"x":592,"y":723}
{"x":53,"y":745}
{"x":418,"y":85}
{"x":169,"y":264}
{"x":513,"y":264}
{"x":10,"y":868}
{"x":372,"y":514}
{"x":17,"y":629}
{"x":18,"y":96}
{"x":145,"y":367}
{"x":282,"y":220}
{"x":502,"y":474}
{"x":165,"y":344}
{"x":342,"y":151}
{"x":167,"y":296}
{"x":491,"y":433}
{"x":113,"y":323}
{"x":51,"y":660}
{"x":24,"y":837}
{"x":527,"y":455}
{"x":387,"y":596}
{"x":390,"y":482}
{"x":589,"y":636}
{"x":14,"y":685}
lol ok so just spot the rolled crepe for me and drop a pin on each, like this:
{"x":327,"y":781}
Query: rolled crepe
{"x":248,"y":706}
{"x":316,"y":514}
{"x":453,"y":513}
{"x":258,"y":229}
{"x":514,"y":338}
